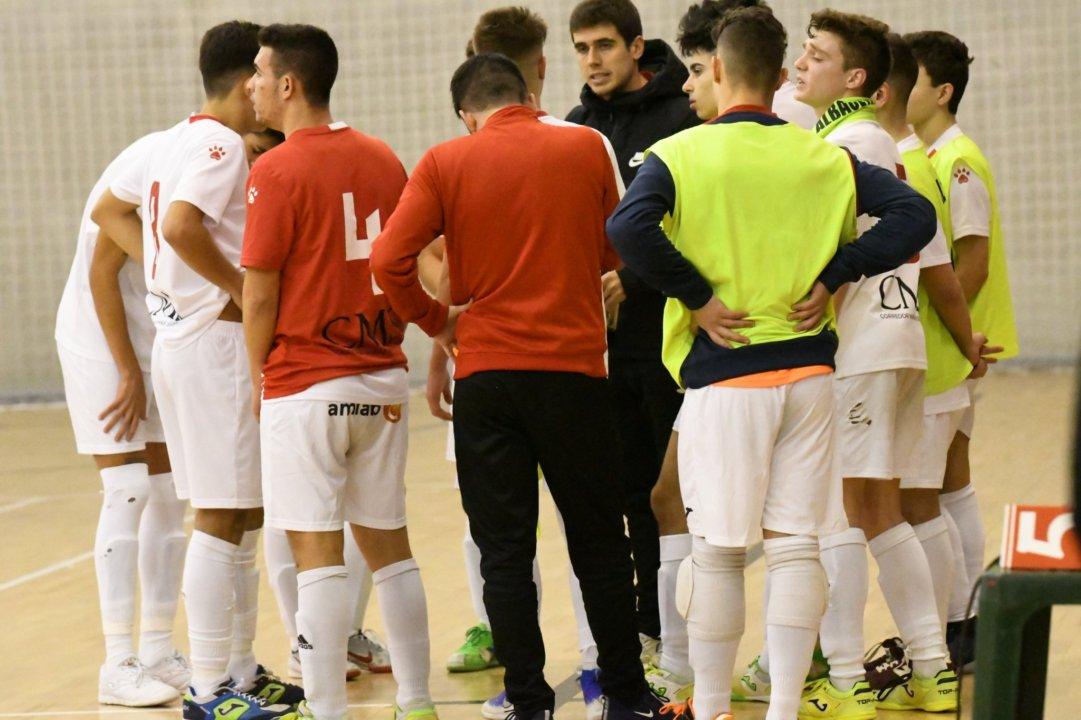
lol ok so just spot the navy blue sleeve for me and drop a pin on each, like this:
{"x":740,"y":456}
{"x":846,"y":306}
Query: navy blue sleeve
{"x":635,"y":231}
{"x":906,"y":223}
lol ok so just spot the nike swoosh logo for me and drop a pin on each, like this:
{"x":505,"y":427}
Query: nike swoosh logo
{"x":645,"y":715}
{"x":635,"y":161}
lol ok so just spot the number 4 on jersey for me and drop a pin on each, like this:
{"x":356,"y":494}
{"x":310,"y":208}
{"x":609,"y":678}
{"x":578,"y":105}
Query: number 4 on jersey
{"x":356,"y":247}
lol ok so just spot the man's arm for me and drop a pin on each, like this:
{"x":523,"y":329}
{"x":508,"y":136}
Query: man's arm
{"x":970,"y":216}
{"x":119,"y":220}
{"x":260,"y":313}
{"x":430,"y":264}
{"x":973,"y":262}
{"x":185,"y":232}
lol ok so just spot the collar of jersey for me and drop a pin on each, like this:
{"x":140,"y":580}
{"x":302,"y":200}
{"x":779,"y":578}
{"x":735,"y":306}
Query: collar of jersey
{"x":747,"y":113}
{"x":321,"y":129}
{"x":842,"y":111}
{"x":511,"y":113}
{"x":196,"y":117}
{"x":953,"y":131}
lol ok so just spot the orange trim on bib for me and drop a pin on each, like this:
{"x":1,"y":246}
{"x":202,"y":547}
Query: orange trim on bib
{"x":775,"y":378}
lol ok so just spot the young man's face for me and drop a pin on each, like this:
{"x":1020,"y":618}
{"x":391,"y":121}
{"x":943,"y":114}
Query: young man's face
{"x":820,"y":71}
{"x":699,"y":85}
{"x":257,"y":143}
{"x":607,"y":63}
{"x":263,"y":90}
{"x":923,"y":102}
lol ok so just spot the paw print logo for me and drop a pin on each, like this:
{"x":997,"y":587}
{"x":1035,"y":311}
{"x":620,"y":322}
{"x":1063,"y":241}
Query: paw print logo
{"x":252,"y":194}
{"x":962,"y":175}
{"x":217,"y":152}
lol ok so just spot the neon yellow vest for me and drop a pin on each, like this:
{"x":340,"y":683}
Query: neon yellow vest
{"x":759,"y":211}
{"x":992,"y":308}
{"x":946,"y":366}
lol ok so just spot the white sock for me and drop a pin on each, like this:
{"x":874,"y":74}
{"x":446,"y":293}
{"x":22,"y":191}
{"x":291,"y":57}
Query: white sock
{"x":844,"y":557}
{"x":472,"y":574}
{"x":798,"y":595}
{"x":674,"y":659}
{"x":405,"y":617}
{"x":587,"y":646}
{"x":323,"y":622}
{"x":763,"y":656}
{"x":281,"y":573}
{"x":958,"y":606}
{"x":934,"y":536}
{"x":965,"y":511}
{"x":116,"y":551}
{"x":905,"y":578}
{"x":360,"y":580}
{"x":162,"y":544}
{"x":242,"y":663}
{"x":209,"y":586}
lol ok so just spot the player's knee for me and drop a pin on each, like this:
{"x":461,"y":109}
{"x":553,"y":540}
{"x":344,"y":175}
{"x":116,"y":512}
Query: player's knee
{"x":226,"y":524}
{"x":919,"y":505}
{"x":709,"y":591}
{"x":125,"y":490}
{"x":798,"y":590}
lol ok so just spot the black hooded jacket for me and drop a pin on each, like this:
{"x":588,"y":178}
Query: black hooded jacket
{"x":632,"y":122}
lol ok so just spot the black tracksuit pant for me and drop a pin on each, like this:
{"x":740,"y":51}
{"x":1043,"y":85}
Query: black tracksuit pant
{"x":505,"y":424}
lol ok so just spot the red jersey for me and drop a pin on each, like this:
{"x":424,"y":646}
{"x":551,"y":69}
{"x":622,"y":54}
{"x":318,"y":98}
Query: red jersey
{"x":522,"y":204}
{"x":315,"y":204}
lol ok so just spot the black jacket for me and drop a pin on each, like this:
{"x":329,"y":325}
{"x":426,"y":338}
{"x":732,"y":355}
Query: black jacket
{"x":633,"y":122}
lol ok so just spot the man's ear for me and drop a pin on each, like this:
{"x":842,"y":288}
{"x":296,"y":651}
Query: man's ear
{"x":784,"y":78}
{"x":287,"y":84}
{"x":718,"y":69}
{"x":855,"y":78}
{"x":882,"y":96}
{"x":542,"y":67}
{"x":944,"y":94}
{"x":638,"y":46}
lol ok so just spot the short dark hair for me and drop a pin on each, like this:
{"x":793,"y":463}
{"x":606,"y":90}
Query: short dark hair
{"x":306,"y":51}
{"x":620,"y":13}
{"x":276,"y":135}
{"x":903,"y":69}
{"x":945,"y":59}
{"x":752,"y":43}
{"x":863,"y":43}
{"x":696,"y":25}
{"x":226,"y":53}
{"x":470,"y":50}
{"x":516,"y":32}
{"x":486,"y":80}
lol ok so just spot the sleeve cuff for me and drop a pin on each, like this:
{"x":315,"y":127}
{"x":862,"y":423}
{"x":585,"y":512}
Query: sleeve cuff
{"x":699,"y":297}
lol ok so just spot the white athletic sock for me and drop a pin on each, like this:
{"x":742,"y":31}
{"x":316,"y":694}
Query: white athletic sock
{"x":965,"y":511}
{"x":715,"y":621}
{"x":958,"y":605}
{"x":844,"y":557}
{"x":674,"y":657}
{"x":281,"y":573}
{"x":472,"y":574}
{"x":162,"y":544}
{"x":116,"y":551}
{"x":934,"y":536}
{"x":360,"y":581}
{"x":798,"y":595}
{"x":209,"y":587}
{"x":405,"y":617}
{"x":587,"y":646}
{"x":242,"y":663}
{"x":323,"y":622}
{"x":905,"y":578}
{"x":763,"y":656}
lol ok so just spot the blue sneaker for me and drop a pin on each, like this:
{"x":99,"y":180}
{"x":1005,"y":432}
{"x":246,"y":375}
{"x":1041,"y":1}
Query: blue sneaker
{"x":225,"y":703}
{"x":270,"y":689}
{"x":497,"y":708}
{"x":592,"y":695}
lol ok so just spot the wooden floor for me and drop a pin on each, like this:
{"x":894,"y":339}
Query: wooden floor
{"x":49,"y":615}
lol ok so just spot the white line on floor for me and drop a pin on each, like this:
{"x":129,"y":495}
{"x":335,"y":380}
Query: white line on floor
{"x":19,"y":504}
{"x":110,"y":710}
{"x":42,"y":572}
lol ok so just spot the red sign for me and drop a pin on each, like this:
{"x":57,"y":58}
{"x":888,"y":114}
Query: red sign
{"x":1039,"y":537}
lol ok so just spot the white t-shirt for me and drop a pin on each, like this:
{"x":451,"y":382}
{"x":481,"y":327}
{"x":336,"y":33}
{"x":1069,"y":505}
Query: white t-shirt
{"x":879,"y":324}
{"x":789,"y":109}
{"x":77,"y":328}
{"x":970,"y":201}
{"x":202,"y":162}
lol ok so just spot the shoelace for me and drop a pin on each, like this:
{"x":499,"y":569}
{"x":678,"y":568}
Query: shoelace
{"x":679,"y":709}
{"x":248,"y":696}
{"x":375,"y":643}
{"x":475,"y":634}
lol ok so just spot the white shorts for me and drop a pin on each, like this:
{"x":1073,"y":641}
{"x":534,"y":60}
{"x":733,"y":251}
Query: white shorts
{"x":754,"y":458}
{"x":204,"y":396}
{"x":328,"y":462}
{"x":879,"y":423}
{"x":938,"y":432}
{"x":90,"y":387}
{"x":968,"y":419}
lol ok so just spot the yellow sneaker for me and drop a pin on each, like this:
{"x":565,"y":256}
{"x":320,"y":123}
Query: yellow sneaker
{"x":753,"y":686}
{"x":934,"y":694}
{"x":667,"y":686}
{"x":822,"y":700}
{"x":425,"y":712}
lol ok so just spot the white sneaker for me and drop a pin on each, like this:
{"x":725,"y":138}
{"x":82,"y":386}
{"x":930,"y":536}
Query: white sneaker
{"x":172,"y":670}
{"x":497,"y":708}
{"x":651,"y":649}
{"x":367,"y":651}
{"x":130,"y":684}
{"x":352,"y":670}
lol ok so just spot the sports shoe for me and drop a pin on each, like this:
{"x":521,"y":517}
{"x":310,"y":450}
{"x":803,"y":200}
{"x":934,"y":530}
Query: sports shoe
{"x":647,"y":707}
{"x":961,"y":640}
{"x":822,"y":700}
{"x":752,"y":686}
{"x":172,"y":670}
{"x":669,"y":687}
{"x":651,"y":649}
{"x":366,"y":650}
{"x":886,"y":664}
{"x":424,"y":712}
{"x":820,"y":666}
{"x":268,"y":688}
{"x":295,"y":672}
{"x":476,"y":653}
{"x":131,"y":685}
{"x":937,"y":694}
{"x":497,"y":708}
{"x":304,"y":712}
{"x":592,"y":695}
{"x":225,"y":703}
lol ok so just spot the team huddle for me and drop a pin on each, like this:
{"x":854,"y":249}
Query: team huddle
{"x":712,"y":307}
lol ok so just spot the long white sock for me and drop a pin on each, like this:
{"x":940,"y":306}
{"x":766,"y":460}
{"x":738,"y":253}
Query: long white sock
{"x":844,"y":557}
{"x":798,"y":595}
{"x":715,"y":622}
{"x":360,"y":580}
{"x":162,"y":544}
{"x":965,"y":511}
{"x":126,"y":489}
{"x":405,"y":617}
{"x":209,"y":587}
{"x":763,"y":656}
{"x":323,"y":622}
{"x":242,"y":663}
{"x":959,"y":591}
{"x":934,"y":536}
{"x":472,"y":574}
{"x":905,"y":578}
{"x":674,"y":656}
{"x":281,"y":573}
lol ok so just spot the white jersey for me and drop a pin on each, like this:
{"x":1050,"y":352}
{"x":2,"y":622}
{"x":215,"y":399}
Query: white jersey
{"x":77,"y":328}
{"x":201,"y":162}
{"x":789,"y":109}
{"x":970,"y":202}
{"x":879,"y":324}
